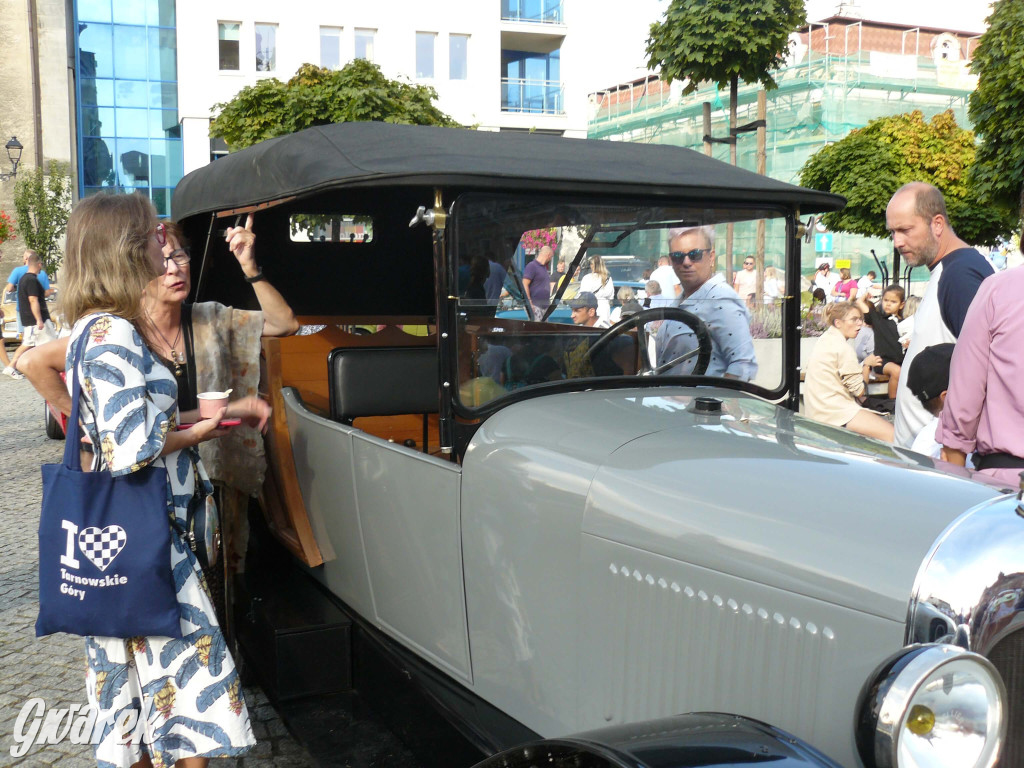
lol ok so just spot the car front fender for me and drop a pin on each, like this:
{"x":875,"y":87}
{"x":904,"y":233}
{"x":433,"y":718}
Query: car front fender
{"x":707,"y":739}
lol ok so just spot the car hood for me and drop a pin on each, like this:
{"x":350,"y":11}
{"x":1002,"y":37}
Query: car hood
{"x":757,"y":491}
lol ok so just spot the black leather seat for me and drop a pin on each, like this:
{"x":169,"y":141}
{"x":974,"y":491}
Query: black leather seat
{"x":382,"y":381}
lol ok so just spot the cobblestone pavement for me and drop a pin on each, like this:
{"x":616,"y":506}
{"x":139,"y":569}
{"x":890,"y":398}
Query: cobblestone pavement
{"x":53,"y":668}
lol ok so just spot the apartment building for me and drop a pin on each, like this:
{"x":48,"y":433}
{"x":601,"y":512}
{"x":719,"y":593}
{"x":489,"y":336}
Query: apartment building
{"x":498,"y":65}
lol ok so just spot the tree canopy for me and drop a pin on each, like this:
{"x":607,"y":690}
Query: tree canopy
{"x":319,"y":96}
{"x":869,"y":164}
{"x":996,"y":107}
{"x":723,"y":41}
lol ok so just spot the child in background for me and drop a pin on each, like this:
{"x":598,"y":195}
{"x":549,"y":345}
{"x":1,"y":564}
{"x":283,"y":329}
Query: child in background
{"x":906,"y":325}
{"x":928,"y":379}
{"x":884,"y":324}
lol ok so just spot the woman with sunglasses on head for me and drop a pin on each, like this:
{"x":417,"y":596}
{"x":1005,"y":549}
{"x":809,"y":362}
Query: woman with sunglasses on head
{"x":185,"y":691}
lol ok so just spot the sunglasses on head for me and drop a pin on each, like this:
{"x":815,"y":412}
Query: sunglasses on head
{"x":697,"y":254}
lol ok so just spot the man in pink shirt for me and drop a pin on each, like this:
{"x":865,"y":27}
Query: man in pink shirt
{"x":984,"y":409}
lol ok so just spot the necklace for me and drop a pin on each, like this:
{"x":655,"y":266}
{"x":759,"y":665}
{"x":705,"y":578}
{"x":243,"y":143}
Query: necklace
{"x":177,"y":359}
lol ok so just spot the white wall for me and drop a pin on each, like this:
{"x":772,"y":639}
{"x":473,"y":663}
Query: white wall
{"x":603,"y":45}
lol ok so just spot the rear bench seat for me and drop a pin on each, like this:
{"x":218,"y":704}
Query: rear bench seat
{"x":383,"y":381}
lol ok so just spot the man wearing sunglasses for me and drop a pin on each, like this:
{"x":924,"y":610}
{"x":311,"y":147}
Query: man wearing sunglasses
{"x":707,"y":295}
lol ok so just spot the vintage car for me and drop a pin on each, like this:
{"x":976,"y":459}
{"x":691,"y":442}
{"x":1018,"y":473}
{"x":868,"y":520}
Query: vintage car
{"x":549,"y":532}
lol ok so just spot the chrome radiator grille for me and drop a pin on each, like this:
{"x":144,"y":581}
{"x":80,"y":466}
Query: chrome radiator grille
{"x":1008,"y":658}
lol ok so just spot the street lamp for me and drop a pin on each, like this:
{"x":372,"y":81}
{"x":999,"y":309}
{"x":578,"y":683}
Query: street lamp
{"x":14,"y":149}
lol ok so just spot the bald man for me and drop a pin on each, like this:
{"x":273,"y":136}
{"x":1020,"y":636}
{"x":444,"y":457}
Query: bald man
{"x":916,"y":216}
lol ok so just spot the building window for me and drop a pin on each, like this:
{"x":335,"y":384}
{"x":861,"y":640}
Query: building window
{"x":364,"y":43}
{"x":330,"y":47}
{"x":531,"y":82}
{"x":458,"y":66}
{"x":218,"y":148}
{"x":266,"y":47}
{"x":425,"y":54}
{"x":536,"y":11}
{"x":228,"y":35}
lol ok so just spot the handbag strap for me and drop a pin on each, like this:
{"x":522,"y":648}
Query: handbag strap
{"x":72,"y":457}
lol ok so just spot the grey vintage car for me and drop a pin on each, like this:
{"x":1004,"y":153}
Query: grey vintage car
{"x":549,"y":532}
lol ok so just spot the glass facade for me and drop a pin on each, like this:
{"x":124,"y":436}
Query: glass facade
{"x":129,"y":138}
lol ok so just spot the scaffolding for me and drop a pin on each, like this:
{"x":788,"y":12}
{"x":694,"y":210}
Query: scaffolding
{"x":818,"y":101}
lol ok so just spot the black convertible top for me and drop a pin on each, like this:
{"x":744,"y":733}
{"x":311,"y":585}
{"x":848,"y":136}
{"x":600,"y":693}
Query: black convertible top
{"x":379,"y":154}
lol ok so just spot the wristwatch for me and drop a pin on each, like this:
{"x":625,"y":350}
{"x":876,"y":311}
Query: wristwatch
{"x":256,"y":278}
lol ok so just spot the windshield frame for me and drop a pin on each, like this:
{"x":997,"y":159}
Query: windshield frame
{"x":450,"y":314}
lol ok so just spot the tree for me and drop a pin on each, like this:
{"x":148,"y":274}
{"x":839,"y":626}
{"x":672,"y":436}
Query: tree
{"x":725,"y":41}
{"x":996,"y":107}
{"x":43,"y":203}
{"x":319,"y":96}
{"x":869,"y":164}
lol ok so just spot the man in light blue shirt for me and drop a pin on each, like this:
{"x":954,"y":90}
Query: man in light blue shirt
{"x":12,"y":284}
{"x":707,"y":295}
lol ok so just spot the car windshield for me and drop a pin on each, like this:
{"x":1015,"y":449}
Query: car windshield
{"x":539,"y":282}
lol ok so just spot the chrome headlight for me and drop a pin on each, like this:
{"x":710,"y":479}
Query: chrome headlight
{"x":932,"y":706}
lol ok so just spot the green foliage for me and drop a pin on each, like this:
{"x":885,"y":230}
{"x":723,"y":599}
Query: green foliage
{"x":722,"y":40}
{"x":871,"y":163}
{"x":318,"y":96}
{"x":43,"y":203}
{"x":997,"y":105}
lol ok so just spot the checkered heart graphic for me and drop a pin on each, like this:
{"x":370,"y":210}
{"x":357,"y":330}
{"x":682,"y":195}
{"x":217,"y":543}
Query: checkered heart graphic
{"x":102,"y":545}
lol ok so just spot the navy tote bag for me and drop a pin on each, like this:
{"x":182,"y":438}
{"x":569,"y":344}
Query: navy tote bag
{"x":104,"y":546}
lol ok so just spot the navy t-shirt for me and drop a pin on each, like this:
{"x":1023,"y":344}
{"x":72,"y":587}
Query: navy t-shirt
{"x":540,"y":284}
{"x":962,"y":273}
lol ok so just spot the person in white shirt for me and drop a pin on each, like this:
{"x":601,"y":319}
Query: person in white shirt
{"x":824,"y":279}
{"x":667,"y":279}
{"x":744,"y":282}
{"x":867,"y":287}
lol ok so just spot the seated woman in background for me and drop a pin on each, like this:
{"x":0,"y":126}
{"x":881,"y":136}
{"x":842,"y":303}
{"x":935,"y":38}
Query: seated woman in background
{"x":834,"y":384}
{"x":846,"y":288}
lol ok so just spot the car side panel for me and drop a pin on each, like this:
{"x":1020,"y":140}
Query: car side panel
{"x":409,"y":514}
{"x":521,"y":534}
{"x":389,"y":517}
{"x":322,"y":452}
{"x":658,"y":636}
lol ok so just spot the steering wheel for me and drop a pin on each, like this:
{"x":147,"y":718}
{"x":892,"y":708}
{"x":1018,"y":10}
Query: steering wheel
{"x":694,"y":323}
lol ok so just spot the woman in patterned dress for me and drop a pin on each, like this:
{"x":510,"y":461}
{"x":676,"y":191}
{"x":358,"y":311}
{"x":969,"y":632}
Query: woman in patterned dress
{"x":159,"y":701}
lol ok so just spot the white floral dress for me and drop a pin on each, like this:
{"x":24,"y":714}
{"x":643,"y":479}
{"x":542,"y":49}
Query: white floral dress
{"x":170,"y":698}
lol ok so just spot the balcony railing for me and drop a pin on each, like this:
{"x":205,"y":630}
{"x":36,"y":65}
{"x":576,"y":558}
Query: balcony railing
{"x":544,"y":97}
{"x":533,"y":11}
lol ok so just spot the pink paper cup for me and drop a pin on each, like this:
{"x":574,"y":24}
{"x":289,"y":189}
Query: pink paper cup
{"x":210,"y":403}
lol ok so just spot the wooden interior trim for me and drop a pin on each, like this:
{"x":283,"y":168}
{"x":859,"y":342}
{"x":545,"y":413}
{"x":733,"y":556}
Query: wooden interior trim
{"x":283,"y":506}
{"x":301,"y":362}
